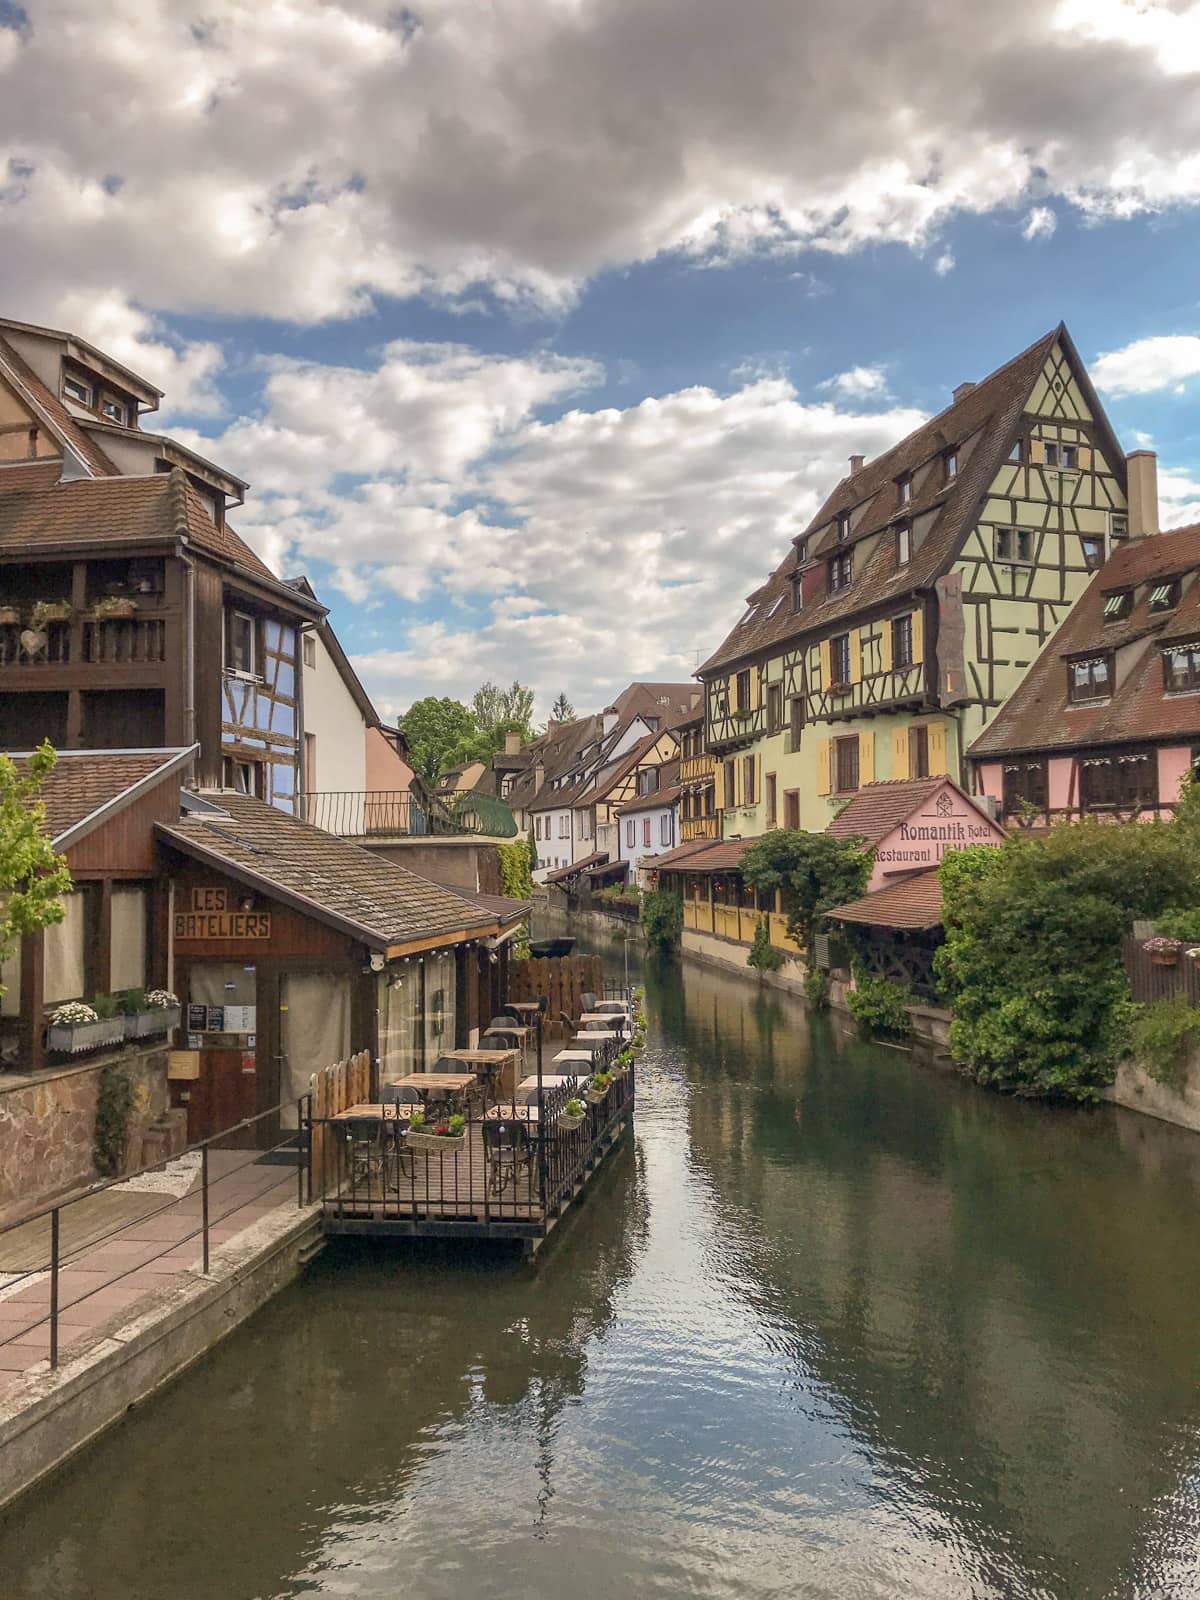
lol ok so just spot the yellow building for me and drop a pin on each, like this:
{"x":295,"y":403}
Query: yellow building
{"x":920,"y":594}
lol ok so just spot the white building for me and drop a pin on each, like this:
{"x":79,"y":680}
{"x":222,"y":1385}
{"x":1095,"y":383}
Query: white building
{"x":648,"y":824}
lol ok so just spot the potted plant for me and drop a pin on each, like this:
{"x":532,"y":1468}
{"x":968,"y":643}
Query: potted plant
{"x":447,"y":1133}
{"x":146,"y":1014}
{"x":623,"y":1062}
{"x":108,"y":1009}
{"x":572,"y":1115}
{"x":114,"y":605}
{"x":1163,"y":952}
{"x":77,"y":1026}
{"x":597,"y":1089}
{"x":46,"y":611}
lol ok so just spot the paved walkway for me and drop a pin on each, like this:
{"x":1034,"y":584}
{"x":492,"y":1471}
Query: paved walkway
{"x":105,"y":1284}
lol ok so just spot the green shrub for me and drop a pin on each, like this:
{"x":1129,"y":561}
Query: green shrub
{"x":816,"y":988}
{"x":662,"y":919}
{"x":114,"y":1102}
{"x":1179,"y":922}
{"x":1031,"y":963}
{"x":105,"y":1005}
{"x":1164,"y":1035}
{"x":880,"y":1006}
{"x":763,"y":953}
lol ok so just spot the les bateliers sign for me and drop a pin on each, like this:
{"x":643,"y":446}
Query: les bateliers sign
{"x":215,"y":914}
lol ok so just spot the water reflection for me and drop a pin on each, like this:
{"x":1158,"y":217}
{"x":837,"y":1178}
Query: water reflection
{"x":832,"y":1325}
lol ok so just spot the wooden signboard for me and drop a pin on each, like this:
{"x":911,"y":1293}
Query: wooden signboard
{"x":214,"y":914}
{"x":183,"y":1064}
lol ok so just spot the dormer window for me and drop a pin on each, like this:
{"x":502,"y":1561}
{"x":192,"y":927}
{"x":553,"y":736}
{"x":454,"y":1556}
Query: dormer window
{"x":950,"y":465}
{"x":903,"y":544}
{"x":1164,"y":596}
{"x":1118,"y":605}
{"x":1181,"y":668}
{"x":75,"y":389}
{"x":1017,"y":453}
{"x":843,"y":527}
{"x":114,"y":411}
{"x":797,"y":594}
{"x":904,"y":486}
{"x":801,"y":551}
{"x":841,"y":571}
{"x":1089,"y":680}
{"x":1118,"y":525}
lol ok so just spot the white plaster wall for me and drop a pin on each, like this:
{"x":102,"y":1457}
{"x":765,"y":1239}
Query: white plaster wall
{"x":634,"y":853}
{"x":331,"y":713}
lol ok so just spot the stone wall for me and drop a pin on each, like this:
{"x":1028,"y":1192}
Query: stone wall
{"x":1135,"y":1089}
{"x":48,"y":1124}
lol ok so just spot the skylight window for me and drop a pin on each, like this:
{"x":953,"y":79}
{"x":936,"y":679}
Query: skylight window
{"x":751,"y":613}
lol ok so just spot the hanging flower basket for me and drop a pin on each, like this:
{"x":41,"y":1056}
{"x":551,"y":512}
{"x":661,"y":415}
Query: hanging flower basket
{"x":435,"y":1143}
{"x":1163,"y":952}
{"x":114,"y":606}
{"x":596,"y":1093}
{"x":570,"y":1120}
{"x":50,"y":611}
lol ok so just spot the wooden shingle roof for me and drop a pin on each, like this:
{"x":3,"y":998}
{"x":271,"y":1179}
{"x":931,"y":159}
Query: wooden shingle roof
{"x":372,"y":899}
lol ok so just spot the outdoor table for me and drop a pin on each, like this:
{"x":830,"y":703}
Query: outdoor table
{"x":520,"y":1030}
{"x":549,"y":1081}
{"x":584,"y":1057}
{"x":488,"y":1064}
{"x":457,"y":1083}
{"x":622,"y":1023}
{"x":596,"y":1036}
{"x":526,"y":1007}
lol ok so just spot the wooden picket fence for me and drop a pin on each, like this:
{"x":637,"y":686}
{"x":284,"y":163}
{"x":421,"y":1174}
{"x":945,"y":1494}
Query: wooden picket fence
{"x":564,"y":980}
{"x":1149,"y":981}
{"x":333,"y":1089}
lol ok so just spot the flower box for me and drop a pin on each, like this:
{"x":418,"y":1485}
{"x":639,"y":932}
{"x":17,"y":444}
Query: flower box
{"x":1163,"y":952}
{"x":116,"y":606}
{"x":72,"y":1038}
{"x":568,"y":1122}
{"x":435,"y":1142}
{"x":155,"y":1019}
{"x":595,"y":1097}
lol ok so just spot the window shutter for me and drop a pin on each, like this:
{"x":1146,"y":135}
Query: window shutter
{"x":918,"y":632}
{"x":719,"y":786}
{"x":855,"y":656}
{"x":938,"y":762}
{"x":1037,"y":453}
{"x":899,"y":752}
{"x":826,"y":666}
{"x":866,"y":758}
{"x":755,"y":688}
{"x":1084,"y":458}
{"x":885,"y":645}
{"x":824,"y":757}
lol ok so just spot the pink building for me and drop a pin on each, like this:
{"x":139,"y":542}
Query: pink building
{"x":1107,"y":720}
{"x":912,"y":823}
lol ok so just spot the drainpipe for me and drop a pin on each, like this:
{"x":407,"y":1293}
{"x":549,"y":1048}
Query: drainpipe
{"x":301,"y":772}
{"x":189,"y":653}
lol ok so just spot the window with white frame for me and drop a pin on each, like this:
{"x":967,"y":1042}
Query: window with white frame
{"x":564,"y":827}
{"x":241,"y":643}
{"x":631,"y":833}
{"x":665,"y":829}
{"x":75,"y":389}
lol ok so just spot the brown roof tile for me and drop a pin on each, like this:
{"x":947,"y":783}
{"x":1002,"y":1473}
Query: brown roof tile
{"x":52,"y":407}
{"x":84,"y":781}
{"x":704,"y":855}
{"x":877,"y":808}
{"x":1039,"y":716}
{"x":978,"y":426}
{"x":912,"y":902}
{"x":375,"y":900}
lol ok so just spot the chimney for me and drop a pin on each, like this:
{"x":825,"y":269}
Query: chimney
{"x":857,"y":463}
{"x":512,"y":741}
{"x":1141,"y":469}
{"x":539,"y":778}
{"x":962,"y":389}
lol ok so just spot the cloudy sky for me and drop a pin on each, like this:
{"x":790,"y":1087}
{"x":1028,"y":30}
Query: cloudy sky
{"x":538,"y":326}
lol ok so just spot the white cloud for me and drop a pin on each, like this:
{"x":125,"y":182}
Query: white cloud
{"x":1178,"y":498}
{"x":1040,"y":223}
{"x":944,"y":263}
{"x":298,"y":160}
{"x":1163,"y":362}
{"x":537,"y":530}
{"x":859,"y":383}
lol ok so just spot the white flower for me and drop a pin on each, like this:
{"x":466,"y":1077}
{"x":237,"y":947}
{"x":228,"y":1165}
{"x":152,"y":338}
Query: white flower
{"x":161,"y":999}
{"x":74,"y":1011}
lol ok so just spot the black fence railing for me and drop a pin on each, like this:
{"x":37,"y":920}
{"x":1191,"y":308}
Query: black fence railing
{"x":69,"y":1236}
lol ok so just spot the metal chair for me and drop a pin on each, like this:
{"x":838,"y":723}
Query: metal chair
{"x":617,"y":1007}
{"x":507,"y":1153}
{"x":362,"y":1139}
{"x":395,"y":1129}
{"x":504,"y":1020}
{"x":588,"y":1002}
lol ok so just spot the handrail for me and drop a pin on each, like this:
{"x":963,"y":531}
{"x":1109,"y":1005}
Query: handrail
{"x":384,"y":813}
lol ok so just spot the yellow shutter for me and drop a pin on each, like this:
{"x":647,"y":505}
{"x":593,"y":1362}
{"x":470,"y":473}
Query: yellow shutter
{"x":885,"y":646}
{"x":1037,"y":453}
{"x":755,"y":688}
{"x":866,"y":758}
{"x":1084,"y":458}
{"x":824,"y":761}
{"x":855,"y":655}
{"x":918,"y":632}
{"x":738,"y":796}
{"x":899,"y":752}
{"x":826,"y":665}
{"x":938,"y":762}
{"x":719,"y":785}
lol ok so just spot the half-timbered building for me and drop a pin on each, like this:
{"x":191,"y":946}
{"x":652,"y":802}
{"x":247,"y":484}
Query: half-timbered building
{"x":917,"y":598}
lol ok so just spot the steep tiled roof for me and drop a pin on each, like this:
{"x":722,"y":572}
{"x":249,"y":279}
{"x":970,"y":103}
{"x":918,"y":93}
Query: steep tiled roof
{"x":978,"y":426}
{"x":665,"y":795}
{"x":913,"y":902}
{"x":597,"y":859}
{"x":335,"y":881}
{"x":40,"y":474}
{"x":59,"y":418}
{"x":84,"y":782}
{"x":38,"y":512}
{"x":877,"y":808}
{"x":1038,"y":715}
{"x":669,"y":702}
{"x":704,"y":855}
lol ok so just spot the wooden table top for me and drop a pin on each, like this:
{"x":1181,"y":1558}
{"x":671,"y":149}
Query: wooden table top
{"x":378,"y":1113}
{"x":434,"y":1080}
{"x":602,"y":1016}
{"x":523,"y":1005}
{"x":486,"y":1058}
{"x":521,"y":1029}
{"x":550,"y":1080}
{"x":575,"y":1055}
{"x":599,"y":1035}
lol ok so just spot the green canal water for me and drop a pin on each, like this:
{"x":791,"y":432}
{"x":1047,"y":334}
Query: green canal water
{"x":830,"y":1324}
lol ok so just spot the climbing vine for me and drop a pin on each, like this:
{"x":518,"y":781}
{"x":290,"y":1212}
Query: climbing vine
{"x":1165,"y":1034}
{"x":516,"y":881}
{"x":662,"y":919}
{"x":763,"y":954}
{"x":114,"y":1104}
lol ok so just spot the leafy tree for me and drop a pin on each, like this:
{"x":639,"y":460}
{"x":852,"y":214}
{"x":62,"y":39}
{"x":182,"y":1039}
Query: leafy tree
{"x":496,"y":710}
{"x":32,"y":877}
{"x":814,"y":871}
{"x":662,"y":919}
{"x":434,"y":728}
{"x":562,"y":710}
{"x":1031,"y":962}
{"x":533,"y":855}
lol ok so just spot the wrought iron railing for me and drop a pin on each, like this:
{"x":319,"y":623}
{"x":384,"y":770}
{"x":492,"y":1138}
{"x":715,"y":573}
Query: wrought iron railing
{"x":391,"y":813}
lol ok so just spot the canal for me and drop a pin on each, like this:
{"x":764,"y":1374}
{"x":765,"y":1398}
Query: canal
{"x":830,"y":1324}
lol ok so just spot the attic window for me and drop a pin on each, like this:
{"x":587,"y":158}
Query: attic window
{"x":1068,"y":456}
{"x":113,"y":410}
{"x":1164,"y":596}
{"x":1181,"y":667}
{"x":843,"y":527}
{"x":797,"y":595}
{"x":841,"y":571}
{"x":904,"y":485}
{"x":1118,"y":605}
{"x":1050,"y":453}
{"x":778,"y":604}
{"x":751,"y":613}
{"x":1014,"y":544}
{"x":1118,"y":525}
{"x":950,"y":464}
{"x":1093,"y":552}
{"x":801,"y":550}
{"x":76,"y":389}
{"x":903,"y":544}
{"x":1089,"y":680}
